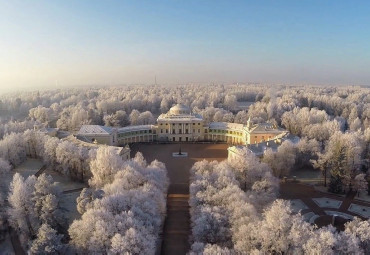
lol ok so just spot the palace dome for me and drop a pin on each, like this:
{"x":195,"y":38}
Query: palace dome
{"x":179,"y":109}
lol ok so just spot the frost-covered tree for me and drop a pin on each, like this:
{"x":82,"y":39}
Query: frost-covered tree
{"x":127,"y":214}
{"x":48,"y":241}
{"x":343,"y":157}
{"x":41,"y":114}
{"x":12,"y":149}
{"x":5,"y":167}
{"x":360,"y":229}
{"x":360,"y":183}
{"x":134,"y":117}
{"x":33,"y":201}
{"x":282,"y":161}
{"x":86,"y":197}
{"x":20,"y":211}
{"x":106,"y":164}
{"x":307,"y":150}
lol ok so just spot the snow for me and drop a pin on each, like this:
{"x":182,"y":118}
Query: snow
{"x":341,"y":214}
{"x":68,"y":204}
{"x":361,"y":210}
{"x":29,"y":167}
{"x":297,"y":205}
{"x":226,"y":126}
{"x":135,"y":128}
{"x":327,"y":202}
{"x":94,"y":129}
{"x":363,"y":195}
{"x":64,"y":182}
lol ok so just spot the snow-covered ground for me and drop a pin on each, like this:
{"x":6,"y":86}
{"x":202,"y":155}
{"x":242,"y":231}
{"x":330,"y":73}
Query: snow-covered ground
{"x":361,"y":210}
{"x":298,"y":205}
{"x":68,"y":200}
{"x":325,"y":202}
{"x":68,"y":203}
{"x":64,"y":182}
{"x":363,"y":196}
{"x":29,"y":167}
{"x":342,"y":214}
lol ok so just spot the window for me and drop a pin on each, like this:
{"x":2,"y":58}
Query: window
{"x":255,"y":137}
{"x":173,"y":131}
{"x":198,"y":124}
{"x":193,"y":130}
{"x":193,"y":123}
{"x":180,"y":131}
{"x":161,"y":131}
{"x":198,"y":130}
{"x":186,"y":131}
{"x":166,"y":131}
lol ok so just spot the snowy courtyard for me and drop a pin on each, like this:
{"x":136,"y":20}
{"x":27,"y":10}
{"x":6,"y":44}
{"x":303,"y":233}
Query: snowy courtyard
{"x":298,"y":205}
{"x":361,"y":210}
{"x":325,"y":202}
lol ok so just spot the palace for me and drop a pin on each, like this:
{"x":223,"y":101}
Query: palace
{"x":179,"y":124}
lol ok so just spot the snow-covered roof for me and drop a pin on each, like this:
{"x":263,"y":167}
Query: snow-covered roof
{"x":226,"y":126}
{"x":83,"y":141}
{"x":259,"y":148}
{"x":95,"y":129}
{"x":265,"y":127}
{"x":135,"y":128}
{"x":179,"y":109}
{"x":180,"y":118}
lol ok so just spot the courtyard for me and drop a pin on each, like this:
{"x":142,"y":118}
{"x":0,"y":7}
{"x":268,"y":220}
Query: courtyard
{"x":178,"y":167}
{"x":176,"y":229}
{"x":319,"y":207}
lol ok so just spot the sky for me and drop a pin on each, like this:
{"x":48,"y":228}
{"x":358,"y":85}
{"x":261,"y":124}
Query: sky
{"x":72,"y":43}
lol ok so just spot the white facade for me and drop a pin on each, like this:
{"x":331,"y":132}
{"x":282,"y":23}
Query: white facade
{"x":179,"y":124}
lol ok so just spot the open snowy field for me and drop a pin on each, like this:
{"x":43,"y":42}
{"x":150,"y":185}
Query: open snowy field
{"x":64,"y":182}
{"x":29,"y":167}
{"x":68,"y":204}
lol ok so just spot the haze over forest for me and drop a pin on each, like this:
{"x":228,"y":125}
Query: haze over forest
{"x":61,"y":43}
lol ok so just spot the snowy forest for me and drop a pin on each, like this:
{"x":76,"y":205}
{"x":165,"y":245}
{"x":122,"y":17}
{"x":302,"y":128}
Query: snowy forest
{"x":234,"y":205}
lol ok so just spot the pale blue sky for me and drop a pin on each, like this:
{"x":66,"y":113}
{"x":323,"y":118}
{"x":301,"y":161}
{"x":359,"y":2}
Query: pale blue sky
{"x":117,"y":42}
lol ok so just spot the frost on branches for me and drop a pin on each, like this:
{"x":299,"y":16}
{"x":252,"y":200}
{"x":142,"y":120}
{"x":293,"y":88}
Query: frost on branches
{"x":126,"y":214}
{"x":34,"y":202}
{"x":224,"y":218}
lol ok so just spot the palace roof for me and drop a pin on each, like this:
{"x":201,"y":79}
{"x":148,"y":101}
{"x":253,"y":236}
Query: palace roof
{"x":226,"y":126}
{"x":95,"y":130}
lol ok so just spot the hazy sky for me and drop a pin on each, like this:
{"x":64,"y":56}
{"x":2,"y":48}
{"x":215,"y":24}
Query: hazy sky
{"x":49,"y":43}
